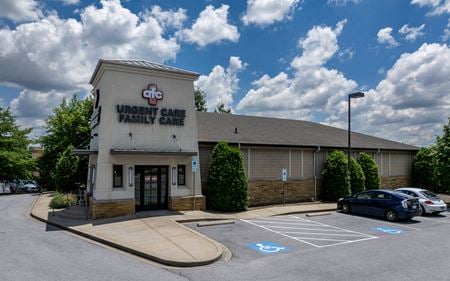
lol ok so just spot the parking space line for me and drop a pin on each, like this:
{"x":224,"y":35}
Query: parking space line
{"x":385,"y":222}
{"x":310,"y":231}
{"x":337,"y":227}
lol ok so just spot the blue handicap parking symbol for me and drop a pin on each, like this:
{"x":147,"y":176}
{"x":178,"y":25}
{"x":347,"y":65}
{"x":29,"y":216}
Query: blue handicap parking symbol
{"x":389,"y":230}
{"x":267,"y":247}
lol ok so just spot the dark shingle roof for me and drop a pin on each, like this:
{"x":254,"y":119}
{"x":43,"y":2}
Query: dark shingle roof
{"x":214,"y":127}
{"x":142,"y":64}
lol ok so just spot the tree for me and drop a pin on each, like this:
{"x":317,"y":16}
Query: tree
{"x":443,"y":158}
{"x":425,"y":168}
{"x":227,"y":183}
{"x":370,"y":170}
{"x":357,"y":178}
{"x":15,"y":157}
{"x":200,"y":100}
{"x":69,"y":125}
{"x":335,"y":176}
{"x":220,"y":108}
{"x":66,"y":171}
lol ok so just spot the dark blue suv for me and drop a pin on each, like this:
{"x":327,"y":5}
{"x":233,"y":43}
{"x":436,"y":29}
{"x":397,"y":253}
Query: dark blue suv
{"x":382,"y":203}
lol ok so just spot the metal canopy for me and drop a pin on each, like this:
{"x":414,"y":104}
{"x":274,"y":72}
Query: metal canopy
{"x":151,"y":152}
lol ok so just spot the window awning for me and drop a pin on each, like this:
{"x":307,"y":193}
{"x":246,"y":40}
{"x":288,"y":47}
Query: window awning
{"x":84,"y":151}
{"x":151,"y":152}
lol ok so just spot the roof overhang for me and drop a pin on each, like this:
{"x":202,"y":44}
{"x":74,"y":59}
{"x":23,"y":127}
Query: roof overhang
{"x":84,"y":151}
{"x":151,"y":152}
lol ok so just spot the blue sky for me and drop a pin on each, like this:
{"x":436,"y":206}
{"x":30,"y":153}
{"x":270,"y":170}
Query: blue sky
{"x":281,"y":58}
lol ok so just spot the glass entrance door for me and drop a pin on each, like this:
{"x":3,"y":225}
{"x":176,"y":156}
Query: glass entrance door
{"x":151,"y":187}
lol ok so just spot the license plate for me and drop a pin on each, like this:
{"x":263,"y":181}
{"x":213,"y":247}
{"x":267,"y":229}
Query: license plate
{"x":414,"y":207}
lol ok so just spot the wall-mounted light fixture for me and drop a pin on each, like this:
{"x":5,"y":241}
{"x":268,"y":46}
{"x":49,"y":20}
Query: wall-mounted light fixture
{"x":174,"y":175}
{"x":130,"y":176}
{"x":93,"y":177}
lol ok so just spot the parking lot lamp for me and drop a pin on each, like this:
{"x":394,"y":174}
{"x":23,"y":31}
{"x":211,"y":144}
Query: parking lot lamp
{"x":351,"y":96}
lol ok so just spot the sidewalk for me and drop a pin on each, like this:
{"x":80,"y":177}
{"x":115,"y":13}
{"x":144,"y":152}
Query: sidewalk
{"x":159,"y":235}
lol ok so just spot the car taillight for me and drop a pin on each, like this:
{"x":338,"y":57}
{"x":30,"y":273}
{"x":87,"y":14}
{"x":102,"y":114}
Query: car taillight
{"x":428,"y":202}
{"x":405,"y":204}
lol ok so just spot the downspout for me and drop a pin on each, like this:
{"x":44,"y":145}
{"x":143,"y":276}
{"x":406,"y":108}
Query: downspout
{"x":381,"y":165}
{"x":314,"y":169}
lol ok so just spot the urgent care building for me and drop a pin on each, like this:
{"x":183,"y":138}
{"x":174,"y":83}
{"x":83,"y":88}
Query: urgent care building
{"x":150,"y":149}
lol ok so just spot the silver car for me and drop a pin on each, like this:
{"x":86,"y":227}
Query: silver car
{"x":429,"y":202}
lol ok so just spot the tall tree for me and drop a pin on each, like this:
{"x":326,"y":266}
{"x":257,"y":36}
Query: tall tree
{"x":69,"y":125}
{"x":200,"y":100}
{"x":443,"y":158}
{"x":15,"y":157}
{"x":220,"y":108}
{"x":425,"y":169}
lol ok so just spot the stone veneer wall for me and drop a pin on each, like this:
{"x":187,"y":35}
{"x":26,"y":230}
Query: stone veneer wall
{"x":109,"y":209}
{"x":394,"y":182}
{"x":186,"y":203}
{"x":266,"y":192}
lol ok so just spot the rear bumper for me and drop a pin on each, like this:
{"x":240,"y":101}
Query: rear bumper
{"x":435,"y":208}
{"x":407,"y":214}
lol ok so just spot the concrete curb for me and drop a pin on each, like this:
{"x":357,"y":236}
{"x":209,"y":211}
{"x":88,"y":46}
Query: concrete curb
{"x":129,"y":250}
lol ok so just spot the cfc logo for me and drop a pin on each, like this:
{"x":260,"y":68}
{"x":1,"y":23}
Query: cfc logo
{"x":152,"y":94}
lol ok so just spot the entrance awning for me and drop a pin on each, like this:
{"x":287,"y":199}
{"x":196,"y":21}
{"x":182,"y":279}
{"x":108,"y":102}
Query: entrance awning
{"x":84,"y":151}
{"x":151,"y":152}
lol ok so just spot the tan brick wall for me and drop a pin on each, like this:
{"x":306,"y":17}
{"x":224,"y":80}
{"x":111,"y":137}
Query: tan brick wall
{"x":266,"y":192}
{"x":395,"y":182}
{"x":185,"y":203}
{"x":109,"y":209}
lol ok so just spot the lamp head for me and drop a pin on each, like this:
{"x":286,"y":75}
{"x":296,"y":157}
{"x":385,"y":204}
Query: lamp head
{"x":356,"y":95}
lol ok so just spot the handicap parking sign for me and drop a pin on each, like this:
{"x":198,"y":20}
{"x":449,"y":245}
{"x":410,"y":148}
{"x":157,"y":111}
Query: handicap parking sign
{"x":267,"y":247}
{"x":389,"y":230}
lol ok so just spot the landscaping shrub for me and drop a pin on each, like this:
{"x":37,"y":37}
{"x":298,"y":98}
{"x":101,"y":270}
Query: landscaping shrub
{"x":335,"y":177}
{"x":425,"y":169}
{"x":357,"y":178}
{"x":370,"y":170}
{"x":61,"y":200}
{"x":227,"y":182}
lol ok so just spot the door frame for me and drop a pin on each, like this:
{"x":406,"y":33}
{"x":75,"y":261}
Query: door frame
{"x":162,"y":202}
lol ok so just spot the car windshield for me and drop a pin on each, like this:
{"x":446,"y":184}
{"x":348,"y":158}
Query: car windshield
{"x":428,"y":194}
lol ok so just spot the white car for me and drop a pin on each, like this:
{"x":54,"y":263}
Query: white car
{"x":430,"y":202}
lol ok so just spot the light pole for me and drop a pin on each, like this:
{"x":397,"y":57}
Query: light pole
{"x":351,"y":96}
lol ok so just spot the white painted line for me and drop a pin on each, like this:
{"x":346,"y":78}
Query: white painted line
{"x":304,"y":228}
{"x":384,"y":222}
{"x":287,"y":223}
{"x":273,"y":227}
{"x":280,"y":233}
{"x":368,"y":235}
{"x":331,"y":234}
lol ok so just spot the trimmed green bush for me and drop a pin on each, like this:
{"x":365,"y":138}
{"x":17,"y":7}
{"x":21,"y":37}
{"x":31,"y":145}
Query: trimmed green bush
{"x":357,"y":178}
{"x":370,"y":170}
{"x":425,"y":169}
{"x":335,"y":177}
{"x":61,"y":200}
{"x":227,"y":182}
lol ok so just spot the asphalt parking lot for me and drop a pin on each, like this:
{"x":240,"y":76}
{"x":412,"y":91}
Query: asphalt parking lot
{"x":332,"y":247}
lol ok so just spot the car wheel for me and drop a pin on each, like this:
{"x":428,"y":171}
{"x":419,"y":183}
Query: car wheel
{"x":391,"y":215}
{"x":423,"y":211}
{"x":346,"y":209}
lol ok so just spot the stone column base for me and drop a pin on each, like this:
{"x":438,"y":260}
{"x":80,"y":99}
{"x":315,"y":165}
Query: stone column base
{"x":186,"y":203}
{"x":100,"y":209}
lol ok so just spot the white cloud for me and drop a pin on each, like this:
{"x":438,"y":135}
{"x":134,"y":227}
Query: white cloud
{"x":221,"y":84}
{"x":60,"y":54}
{"x":313,"y":88}
{"x":211,"y":27}
{"x":446,"y":33}
{"x":33,"y":107}
{"x":169,"y":18}
{"x":20,"y":10}
{"x":384,"y":37}
{"x":265,"y":12}
{"x":411,"y":104}
{"x":437,"y":7}
{"x":412,"y":33}
{"x":342,"y":2}
{"x":70,"y":2}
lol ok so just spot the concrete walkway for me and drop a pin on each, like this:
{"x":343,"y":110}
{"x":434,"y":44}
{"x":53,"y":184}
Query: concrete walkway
{"x":159,"y":235}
